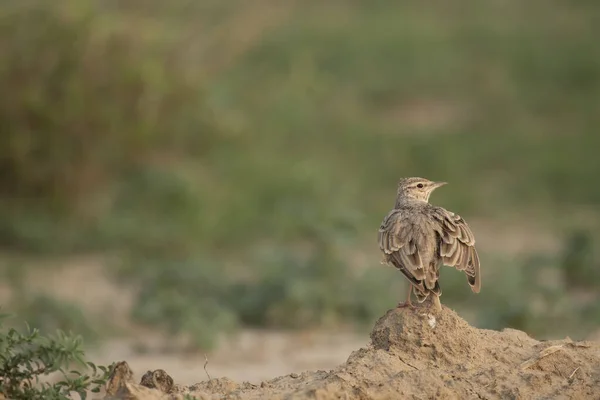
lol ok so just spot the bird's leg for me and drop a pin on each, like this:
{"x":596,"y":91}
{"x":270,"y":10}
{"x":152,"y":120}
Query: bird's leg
{"x":407,"y":303}
{"x":436,"y":302}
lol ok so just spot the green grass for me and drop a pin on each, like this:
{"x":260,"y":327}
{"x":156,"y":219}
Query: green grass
{"x":194,"y":131}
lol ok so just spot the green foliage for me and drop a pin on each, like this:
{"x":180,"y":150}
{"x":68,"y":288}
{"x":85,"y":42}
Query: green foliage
{"x":544,"y":296}
{"x":182,"y":296}
{"x":26,"y":359}
{"x":311,"y":290}
{"x":580,"y":263}
{"x":108,"y":141}
{"x":89,"y":99}
{"x":170,"y":222}
{"x":198,"y":297}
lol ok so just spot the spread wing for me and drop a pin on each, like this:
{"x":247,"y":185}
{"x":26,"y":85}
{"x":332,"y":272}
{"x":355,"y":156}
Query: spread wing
{"x":401,"y":243}
{"x":457,"y":246}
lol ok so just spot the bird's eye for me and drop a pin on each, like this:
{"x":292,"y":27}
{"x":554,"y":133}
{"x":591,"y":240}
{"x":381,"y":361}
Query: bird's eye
{"x":420,"y":186}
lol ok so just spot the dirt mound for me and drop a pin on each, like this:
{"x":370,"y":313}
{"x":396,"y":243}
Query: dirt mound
{"x":415,"y":354}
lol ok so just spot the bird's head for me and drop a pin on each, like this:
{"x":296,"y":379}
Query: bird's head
{"x":416,"y":189}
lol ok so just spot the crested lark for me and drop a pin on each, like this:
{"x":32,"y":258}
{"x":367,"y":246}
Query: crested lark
{"x":417,"y":238}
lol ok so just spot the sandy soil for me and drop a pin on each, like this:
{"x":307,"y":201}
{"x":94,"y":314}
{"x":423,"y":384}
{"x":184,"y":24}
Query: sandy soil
{"x":413,"y":354}
{"x":251,"y":355}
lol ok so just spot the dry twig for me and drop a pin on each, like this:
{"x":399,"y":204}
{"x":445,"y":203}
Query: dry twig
{"x":573,"y":373}
{"x":205,"y":370}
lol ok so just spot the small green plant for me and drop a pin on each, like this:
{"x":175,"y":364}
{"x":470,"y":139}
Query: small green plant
{"x":199,"y":297}
{"x":579,"y":266}
{"x":316,"y":290}
{"x":182,"y":296}
{"x":27,"y":358}
{"x":532,"y":294}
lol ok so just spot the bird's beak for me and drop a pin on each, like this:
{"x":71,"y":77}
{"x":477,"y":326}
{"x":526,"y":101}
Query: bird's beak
{"x":438,"y":184}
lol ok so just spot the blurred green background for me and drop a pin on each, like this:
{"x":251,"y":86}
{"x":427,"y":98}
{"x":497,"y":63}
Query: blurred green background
{"x":226,"y":163}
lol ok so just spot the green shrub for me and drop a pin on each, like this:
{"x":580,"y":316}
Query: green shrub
{"x":27,"y":358}
{"x":107,"y":142}
{"x":532,"y":295}
{"x":85,"y":99}
{"x":580,"y":265}
{"x":311,"y":290}
{"x":278,"y":289}
{"x":181,"y":296}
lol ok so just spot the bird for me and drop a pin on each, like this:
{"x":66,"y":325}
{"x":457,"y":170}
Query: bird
{"x":417,"y":238}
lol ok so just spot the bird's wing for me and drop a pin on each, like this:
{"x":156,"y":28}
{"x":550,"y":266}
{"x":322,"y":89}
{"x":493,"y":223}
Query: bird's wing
{"x":397,"y":240}
{"x":457,"y":245}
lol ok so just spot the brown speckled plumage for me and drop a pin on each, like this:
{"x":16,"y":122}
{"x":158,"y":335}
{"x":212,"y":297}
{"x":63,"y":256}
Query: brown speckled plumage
{"x":418,"y":238}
